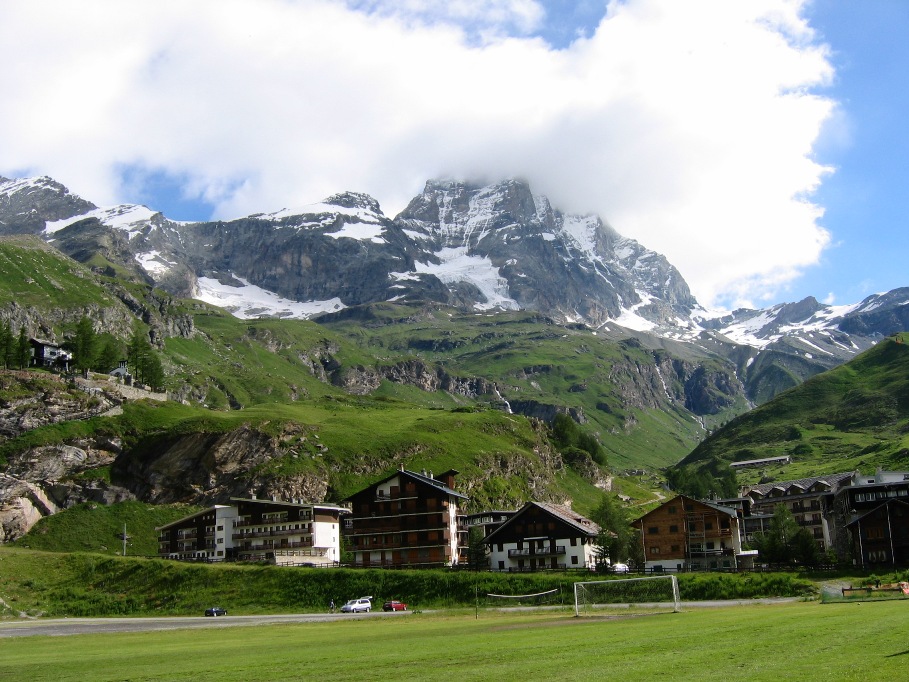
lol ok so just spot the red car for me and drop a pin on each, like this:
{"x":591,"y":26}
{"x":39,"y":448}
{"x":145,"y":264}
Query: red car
{"x":394,"y":605}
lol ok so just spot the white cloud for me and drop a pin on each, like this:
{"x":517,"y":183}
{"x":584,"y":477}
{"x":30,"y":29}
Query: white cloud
{"x":688,"y":126}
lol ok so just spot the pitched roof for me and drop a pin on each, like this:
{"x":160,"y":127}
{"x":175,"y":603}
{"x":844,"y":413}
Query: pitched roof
{"x":803,"y":483}
{"x":859,"y":517}
{"x":569,"y":516}
{"x":729,"y":511}
{"x":559,"y":511}
{"x":207,"y":510}
{"x":421,"y":478}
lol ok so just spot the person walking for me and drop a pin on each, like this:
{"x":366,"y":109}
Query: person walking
{"x":331,"y":606}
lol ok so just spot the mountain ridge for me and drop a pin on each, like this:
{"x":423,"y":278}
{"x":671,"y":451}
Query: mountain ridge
{"x":474,"y":247}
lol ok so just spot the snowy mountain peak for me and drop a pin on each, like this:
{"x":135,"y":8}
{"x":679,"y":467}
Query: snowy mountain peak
{"x":355,"y":200}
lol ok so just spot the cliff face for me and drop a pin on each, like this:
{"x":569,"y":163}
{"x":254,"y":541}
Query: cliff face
{"x":205,"y":468}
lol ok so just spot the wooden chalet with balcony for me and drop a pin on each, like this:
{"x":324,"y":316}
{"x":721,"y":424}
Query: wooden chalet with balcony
{"x":407,"y":519}
{"x":685,"y":534}
{"x":542,"y":536}
{"x":881,"y":536}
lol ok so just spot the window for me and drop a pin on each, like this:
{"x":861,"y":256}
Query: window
{"x":654,"y":550}
{"x":674,"y":549}
{"x":708,"y":525}
{"x":710,"y":545}
{"x":653,"y":530}
{"x":574,"y":542}
{"x":673,"y":529}
{"x":574,"y":560}
{"x":501,"y":564}
{"x":672,"y":510}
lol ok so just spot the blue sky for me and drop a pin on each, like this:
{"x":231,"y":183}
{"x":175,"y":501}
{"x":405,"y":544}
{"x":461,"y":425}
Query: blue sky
{"x":865,"y":199}
{"x":760,"y":146}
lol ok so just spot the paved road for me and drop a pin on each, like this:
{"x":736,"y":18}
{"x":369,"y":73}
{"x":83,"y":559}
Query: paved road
{"x":79,"y":626}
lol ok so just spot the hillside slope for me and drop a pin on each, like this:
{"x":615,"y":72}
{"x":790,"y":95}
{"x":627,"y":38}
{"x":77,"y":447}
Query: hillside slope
{"x":855,"y":416}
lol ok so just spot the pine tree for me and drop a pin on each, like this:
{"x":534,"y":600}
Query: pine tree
{"x":617,"y":539}
{"x":7,"y":344}
{"x":23,"y":355}
{"x":84,"y":343}
{"x":137,"y":353}
{"x":154,"y":371}
{"x":110,"y":355}
{"x":143,"y":362}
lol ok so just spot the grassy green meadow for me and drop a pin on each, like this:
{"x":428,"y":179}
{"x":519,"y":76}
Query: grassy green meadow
{"x":853,"y":417}
{"x":803,"y":641}
{"x":59,"y":584}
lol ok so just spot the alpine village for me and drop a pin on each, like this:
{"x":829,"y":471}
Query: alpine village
{"x":329,"y":398}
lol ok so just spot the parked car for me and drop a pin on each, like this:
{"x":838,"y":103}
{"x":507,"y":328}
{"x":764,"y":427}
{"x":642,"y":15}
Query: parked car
{"x":215,"y":611}
{"x":620,"y":568}
{"x":394,"y":605}
{"x":361,"y":605}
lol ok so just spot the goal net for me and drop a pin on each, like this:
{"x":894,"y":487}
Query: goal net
{"x":654,"y":594}
{"x":547,"y":598}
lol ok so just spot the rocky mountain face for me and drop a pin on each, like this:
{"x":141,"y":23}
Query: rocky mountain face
{"x":502,"y":246}
{"x":495,"y":247}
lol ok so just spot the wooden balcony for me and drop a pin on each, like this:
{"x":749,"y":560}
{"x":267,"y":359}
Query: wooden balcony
{"x":536,"y":551}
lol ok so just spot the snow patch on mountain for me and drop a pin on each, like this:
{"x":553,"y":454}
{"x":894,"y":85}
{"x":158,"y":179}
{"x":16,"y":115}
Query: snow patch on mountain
{"x":250,"y":301}
{"x":325,"y":212}
{"x":371,"y":232}
{"x":9,"y":187}
{"x":154,"y":263}
{"x":131,"y":218}
{"x":582,"y":231}
{"x":630,"y":318}
{"x":458,"y":266}
{"x":480,"y":212}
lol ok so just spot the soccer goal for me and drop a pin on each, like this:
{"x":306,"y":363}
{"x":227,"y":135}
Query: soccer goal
{"x":547,"y":598}
{"x":641,"y":595}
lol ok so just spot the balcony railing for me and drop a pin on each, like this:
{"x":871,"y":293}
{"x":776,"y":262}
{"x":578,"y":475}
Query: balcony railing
{"x":394,"y":528}
{"x":274,"y":548}
{"x":272,"y":522}
{"x":270,"y":534}
{"x":537,"y":551}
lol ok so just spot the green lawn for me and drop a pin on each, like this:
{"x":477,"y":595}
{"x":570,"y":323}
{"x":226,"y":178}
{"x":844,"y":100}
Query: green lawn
{"x":804,"y":641}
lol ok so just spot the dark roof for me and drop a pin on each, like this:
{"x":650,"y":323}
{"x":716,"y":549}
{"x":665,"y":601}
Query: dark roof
{"x":421,"y":478}
{"x":561,"y":512}
{"x":859,"y":517}
{"x":289,"y":503}
{"x":729,"y":511}
{"x":732,"y":511}
{"x":803,"y":483}
{"x":207,"y":510}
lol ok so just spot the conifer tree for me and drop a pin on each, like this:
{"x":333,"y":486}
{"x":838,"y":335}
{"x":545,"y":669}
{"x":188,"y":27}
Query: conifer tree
{"x":23,"y":350}
{"x":84,"y":343}
{"x":7,"y":344}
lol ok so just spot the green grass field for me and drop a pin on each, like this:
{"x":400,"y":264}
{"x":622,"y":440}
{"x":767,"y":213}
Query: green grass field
{"x":802,"y":641}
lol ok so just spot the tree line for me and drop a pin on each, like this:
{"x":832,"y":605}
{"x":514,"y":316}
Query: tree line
{"x":91,"y":352}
